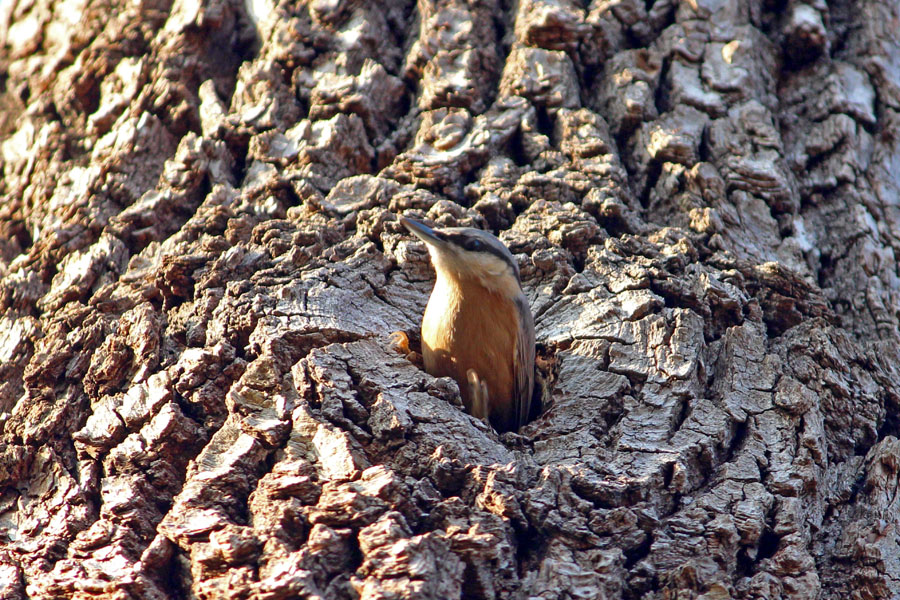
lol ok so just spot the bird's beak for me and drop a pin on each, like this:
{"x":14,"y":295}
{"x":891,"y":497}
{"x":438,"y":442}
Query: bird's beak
{"x":422,"y":231}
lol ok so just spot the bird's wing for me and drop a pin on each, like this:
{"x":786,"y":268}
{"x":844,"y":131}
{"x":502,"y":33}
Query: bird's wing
{"x":524,"y":361}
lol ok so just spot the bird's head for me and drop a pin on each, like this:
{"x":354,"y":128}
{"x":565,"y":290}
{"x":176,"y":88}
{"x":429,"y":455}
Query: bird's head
{"x":464,"y":253}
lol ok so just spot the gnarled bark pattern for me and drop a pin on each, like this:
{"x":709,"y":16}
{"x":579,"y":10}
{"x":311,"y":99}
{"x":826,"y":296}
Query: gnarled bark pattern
{"x":200,"y":266}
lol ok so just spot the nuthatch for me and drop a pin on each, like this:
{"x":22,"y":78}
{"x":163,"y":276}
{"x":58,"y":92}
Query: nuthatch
{"x":478,"y":327}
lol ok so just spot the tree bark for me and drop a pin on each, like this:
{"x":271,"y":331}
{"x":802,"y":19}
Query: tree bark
{"x":201,"y":266}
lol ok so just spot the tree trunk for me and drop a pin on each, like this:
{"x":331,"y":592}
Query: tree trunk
{"x":201,"y":266}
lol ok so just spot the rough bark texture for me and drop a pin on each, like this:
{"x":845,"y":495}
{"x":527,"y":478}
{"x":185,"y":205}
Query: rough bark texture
{"x":200,"y":266}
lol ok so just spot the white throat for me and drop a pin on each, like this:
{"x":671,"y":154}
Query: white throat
{"x":490,"y":272}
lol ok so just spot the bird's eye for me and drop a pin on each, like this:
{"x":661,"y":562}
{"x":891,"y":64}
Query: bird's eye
{"x":473,"y":245}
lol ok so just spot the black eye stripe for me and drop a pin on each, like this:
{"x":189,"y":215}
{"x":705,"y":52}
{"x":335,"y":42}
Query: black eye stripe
{"x":464,"y":240}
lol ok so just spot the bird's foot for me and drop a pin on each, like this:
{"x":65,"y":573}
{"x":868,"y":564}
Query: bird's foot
{"x":400,"y":344}
{"x":478,"y":392}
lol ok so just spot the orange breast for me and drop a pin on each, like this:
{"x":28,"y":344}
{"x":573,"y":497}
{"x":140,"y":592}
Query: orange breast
{"x":468,"y":327}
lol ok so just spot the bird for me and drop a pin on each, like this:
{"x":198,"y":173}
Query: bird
{"x":478,"y":328}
